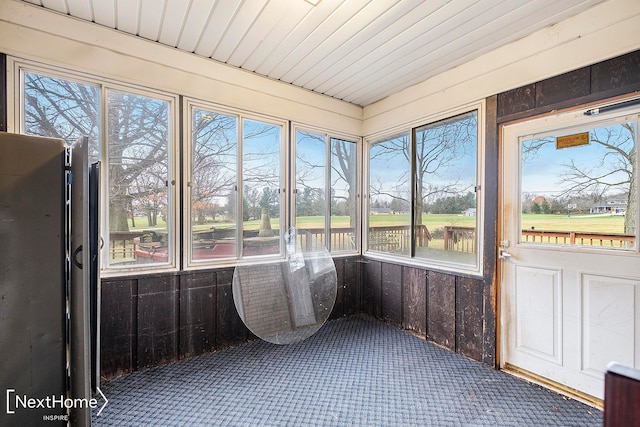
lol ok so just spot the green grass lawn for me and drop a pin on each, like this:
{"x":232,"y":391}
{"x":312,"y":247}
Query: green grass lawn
{"x":579,"y":223}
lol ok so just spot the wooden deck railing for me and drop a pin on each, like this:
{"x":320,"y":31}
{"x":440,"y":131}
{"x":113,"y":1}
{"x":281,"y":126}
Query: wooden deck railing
{"x":397,"y":239}
{"x":342,"y":239}
{"x":121,"y":245}
{"x":460,"y":239}
{"x":613,"y":240}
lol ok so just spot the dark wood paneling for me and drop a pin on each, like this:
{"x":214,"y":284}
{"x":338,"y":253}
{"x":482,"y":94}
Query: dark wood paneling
{"x":572,"y":85}
{"x":614,"y":77}
{"x":352,"y":286}
{"x":198,"y":293}
{"x":517,"y":100}
{"x":490,"y":238}
{"x":621,"y":397}
{"x":469,"y":314}
{"x":414,"y":300}
{"x":391,"y":288}
{"x":338,"y":307}
{"x":621,"y":74}
{"x":157,"y":320}
{"x":230,"y":327}
{"x":118,"y":337}
{"x":3,"y":92}
{"x":441,"y":309}
{"x":372,"y":288}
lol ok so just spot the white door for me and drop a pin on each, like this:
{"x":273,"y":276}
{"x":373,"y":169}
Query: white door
{"x":570,"y":289}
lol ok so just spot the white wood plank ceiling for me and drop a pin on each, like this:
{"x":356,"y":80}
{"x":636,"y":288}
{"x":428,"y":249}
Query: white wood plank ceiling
{"x":359,"y":51}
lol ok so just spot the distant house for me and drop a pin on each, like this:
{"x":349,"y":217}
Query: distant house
{"x":381,"y":211}
{"x":613,"y":206}
{"x":470,"y":212}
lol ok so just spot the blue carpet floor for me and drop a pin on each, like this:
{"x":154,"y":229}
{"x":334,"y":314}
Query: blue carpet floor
{"x":355,"y":371}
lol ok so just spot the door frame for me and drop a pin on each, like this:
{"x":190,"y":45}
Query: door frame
{"x":500,"y":229}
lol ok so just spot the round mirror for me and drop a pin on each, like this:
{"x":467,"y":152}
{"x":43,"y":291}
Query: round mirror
{"x":287,"y":301}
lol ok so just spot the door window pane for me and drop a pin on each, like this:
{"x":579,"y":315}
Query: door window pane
{"x":212,"y":184}
{"x":138,"y":139}
{"x":390,"y":196}
{"x":446,"y":203}
{"x":579,"y":187}
{"x":261,"y":201}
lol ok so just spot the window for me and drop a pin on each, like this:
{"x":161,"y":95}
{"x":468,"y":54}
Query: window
{"x":234,"y":186}
{"x":262,"y":184}
{"x":437,"y":167}
{"x":389,"y":228}
{"x":138,"y":145}
{"x":212,"y":185}
{"x":446,"y":212}
{"x":579,"y":185}
{"x":235,"y":202}
{"x":59,"y":108}
{"x":325,"y":191}
{"x":135,"y":150}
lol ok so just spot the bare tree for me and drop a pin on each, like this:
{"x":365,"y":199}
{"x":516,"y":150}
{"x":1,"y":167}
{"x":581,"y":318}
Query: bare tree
{"x":611,"y":169}
{"x":343,"y":166}
{"x":214,"y":162}
{"x":137,"y":136}
{"x":137,"y":141}
{"x":439,"y":148}
{"x":615,"y":170}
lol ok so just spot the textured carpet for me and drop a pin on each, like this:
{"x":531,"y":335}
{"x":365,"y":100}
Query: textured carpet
{"x":355,"y":371}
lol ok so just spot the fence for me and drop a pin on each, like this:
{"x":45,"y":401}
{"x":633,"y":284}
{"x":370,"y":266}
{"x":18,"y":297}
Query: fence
{"x":613,"y":240}
{"x":460,"y":239}
{"x":397,"y":239}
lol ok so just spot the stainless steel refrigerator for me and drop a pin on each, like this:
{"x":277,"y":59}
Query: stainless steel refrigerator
{"x":47,"y":265}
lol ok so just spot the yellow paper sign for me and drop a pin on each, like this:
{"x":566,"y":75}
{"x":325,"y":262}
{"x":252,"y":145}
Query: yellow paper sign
{"x":574,"y":140}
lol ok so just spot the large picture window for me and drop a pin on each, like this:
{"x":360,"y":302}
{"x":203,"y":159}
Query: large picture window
{"x":326,"y":191}
{"x":423,"y":193}
{"x":241,"y":188}
{"x":132,"y":133}
{"x":234,"y":186}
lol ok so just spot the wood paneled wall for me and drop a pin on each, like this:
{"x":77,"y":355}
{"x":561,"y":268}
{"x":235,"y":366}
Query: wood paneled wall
{"x":614,"y":77}
{"x":156,"y":319}
{"x":445,"y":309}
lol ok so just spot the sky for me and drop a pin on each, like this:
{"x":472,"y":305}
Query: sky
{"x":545,"y":173}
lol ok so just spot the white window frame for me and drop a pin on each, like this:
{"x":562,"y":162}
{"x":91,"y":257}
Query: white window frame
{"x":17,"y":68}
{"x":328,"y":135}
{"x":410,"y":127}
{"x":189,"y":104}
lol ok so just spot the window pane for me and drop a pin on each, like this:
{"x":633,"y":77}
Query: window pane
{"x":343,"y":195}
{"x":311,"y":209}
{"x":583,"y":195}
{"x":62,"y":109}
{"x":261,"y":168}
{"x":212,"y":185}
{"x":446,"y":205}
{"x":138,"y":166}
{"x":390,"y":196}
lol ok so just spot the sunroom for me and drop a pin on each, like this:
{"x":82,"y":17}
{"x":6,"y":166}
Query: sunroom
{"x":446,"y":156}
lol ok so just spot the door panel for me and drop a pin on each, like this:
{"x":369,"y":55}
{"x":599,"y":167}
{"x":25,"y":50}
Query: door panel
{"x":570,"y":278}
{"x":538,"y":317}
{"x":609,"y":321}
